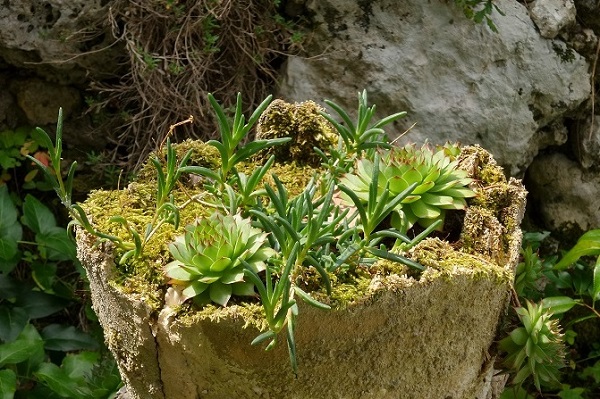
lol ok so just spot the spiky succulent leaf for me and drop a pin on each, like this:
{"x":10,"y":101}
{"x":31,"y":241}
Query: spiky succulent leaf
{"x":536,"y":349}
{"x":208,"y":258}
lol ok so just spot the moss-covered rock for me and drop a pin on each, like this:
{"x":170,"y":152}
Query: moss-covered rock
{"x":304,"y":124}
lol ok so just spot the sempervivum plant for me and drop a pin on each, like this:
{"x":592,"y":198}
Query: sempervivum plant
{"x":440,"y":184}
{"x":537,"y":348}
{"x":210,"y":256}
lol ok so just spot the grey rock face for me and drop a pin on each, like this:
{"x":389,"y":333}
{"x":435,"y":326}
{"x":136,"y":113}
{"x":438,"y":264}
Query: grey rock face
{"x":585,"y":142}
{"x":551,"y":16}
{"x":565,"y":195}
{"x":457,"y":80}
{"x":49,"y":37}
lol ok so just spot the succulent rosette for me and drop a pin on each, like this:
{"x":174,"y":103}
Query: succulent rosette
{"x":208,"y":258}
{"x":441,"y":186}
{"x":537,"y":348}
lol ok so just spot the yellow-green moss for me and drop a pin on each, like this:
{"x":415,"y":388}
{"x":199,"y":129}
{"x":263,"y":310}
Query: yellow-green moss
{"x":441,"y":256}
{"x":251,"y":314}
{"x":144,"y":277}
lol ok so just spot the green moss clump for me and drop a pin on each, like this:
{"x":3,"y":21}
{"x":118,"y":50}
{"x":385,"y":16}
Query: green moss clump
{"x":202,"y":155}
{"x":442,"y":257}
{"x":302,"y":122}
{"x":481,"y":166}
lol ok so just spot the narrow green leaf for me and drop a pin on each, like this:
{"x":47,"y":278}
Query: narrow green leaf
{"x":389,"y":119}
{"x":221,"y":118}
{"x":257,"y":113}
{"x":340,"y":111}
{"x":263,"y":337}
{"x":202,"y":171}
{"x":291,"y":341}
{"x":44,"y":139}
{"x":380,"y":253}
{"x":310,"y":300}
{"x":69,"y":182}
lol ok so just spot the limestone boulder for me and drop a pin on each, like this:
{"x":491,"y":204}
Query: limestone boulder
{"x":551,"y":16}
{"x":563,"y":194}
{"x":456,"y":79}
{"x":59,"y":40}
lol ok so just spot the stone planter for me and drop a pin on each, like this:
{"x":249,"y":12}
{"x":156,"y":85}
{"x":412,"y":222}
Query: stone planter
{"x":427,"y":337}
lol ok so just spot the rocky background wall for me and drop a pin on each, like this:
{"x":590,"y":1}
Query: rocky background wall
{"x":524,"y":93}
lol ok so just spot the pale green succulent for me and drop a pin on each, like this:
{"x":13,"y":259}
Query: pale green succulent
{"x":441,"y":186}
{"x":537,"y":348}
{"x":209,"y":257}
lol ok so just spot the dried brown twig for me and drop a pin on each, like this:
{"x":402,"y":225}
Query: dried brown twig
{"x":179,"y":51}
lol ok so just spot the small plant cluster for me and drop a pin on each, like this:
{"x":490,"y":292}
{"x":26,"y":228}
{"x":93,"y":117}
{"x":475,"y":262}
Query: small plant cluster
{"x":544,"y":353}
{"x":15,"y":145}
{"x":43,"y":350}
{"x":479,"y":11}
{"x":260,"y":240}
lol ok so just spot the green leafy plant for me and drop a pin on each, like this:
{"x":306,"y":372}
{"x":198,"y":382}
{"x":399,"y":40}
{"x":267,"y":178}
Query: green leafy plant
{"x":479,"y":11}
{"x":211,"y":256}
{"x":165,"y":210}
{"x":536,"y":349}
{"x":356,"y":138}
{"x":15,"y":146}
{"x":566,"y":292}
{"x":36,"y":258}
{"x":439,"y":184}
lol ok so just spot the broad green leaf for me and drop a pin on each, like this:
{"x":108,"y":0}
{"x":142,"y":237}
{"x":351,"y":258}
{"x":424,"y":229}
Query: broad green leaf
{"x":519,"y":336}
{"x":7,"y":266}
{"x":39,"y":304}
{"x":571,"y":393}
{"x":8,"y":248}
{"x":10,"y":230}
{"x":559,"y":304}
{"x":37,"y":216}
{"x":59,"y":381}
{"x":588,"y":244}
{"x":12,"y":321}
{"x":80,"y":365}
{"x":8,"y":384}
{"x":593,"y":371}
{"x":220,"y":293}
{"x":58,"y":244}
{"x":8,"y":210}
{"x":20,"y":349}
{"x":66,"y":338}
{"x":44,"y":274}
{"x":9,"y":288}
